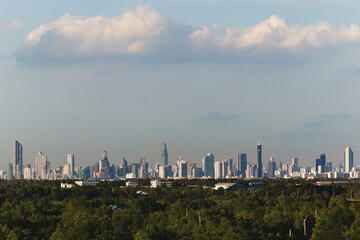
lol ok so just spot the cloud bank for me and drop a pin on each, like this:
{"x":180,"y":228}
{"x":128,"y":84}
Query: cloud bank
{"x":144,"y":34}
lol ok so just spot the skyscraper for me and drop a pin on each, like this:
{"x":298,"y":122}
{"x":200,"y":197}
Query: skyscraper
{"x":208,"y":165}
{"x":295,"y":164}
{"x":243,"y":157}
{"x":259,"y":161}
{"x":41,"y":165}
{"x":348,"y":159}
{"x":104,"y":166}
{"x":320,"y":163}
{"x":10,"y":171}
{"x":218,"y":170}
{"x":71,"y":162}
{"x":18,"y":160}
{"x":164,"y":155}
{"x":271,"y":167}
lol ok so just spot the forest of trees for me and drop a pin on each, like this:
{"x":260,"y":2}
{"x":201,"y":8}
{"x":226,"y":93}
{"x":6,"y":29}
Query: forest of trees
{"x":43,"y":210}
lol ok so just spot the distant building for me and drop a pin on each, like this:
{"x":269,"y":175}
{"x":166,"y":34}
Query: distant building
{"x":86,"y":183}
{"x":18,"y":160}
{"x":164,"y":155}
{"x":10,"y":170}
{"x":348,"y":160}
{"x":42,"y":166}
{"x":208,"y":165}
{"x":259,"y":161}
{"x":28,"y":172}
{"x":218,"y":170}
{"x":271,"y":167}
{"x":71,"y":161}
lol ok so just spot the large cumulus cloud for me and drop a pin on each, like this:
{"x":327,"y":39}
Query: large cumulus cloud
{"x":143,"y":33}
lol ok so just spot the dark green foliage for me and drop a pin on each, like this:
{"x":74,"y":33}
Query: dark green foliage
{"x":42,"y":210}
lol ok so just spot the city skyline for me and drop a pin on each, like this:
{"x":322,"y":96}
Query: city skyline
{"x":201,"y":76}
{"x":210,"y":168}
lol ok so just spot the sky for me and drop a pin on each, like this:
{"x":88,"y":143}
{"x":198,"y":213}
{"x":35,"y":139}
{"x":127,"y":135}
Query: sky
{"x":202,"y":76}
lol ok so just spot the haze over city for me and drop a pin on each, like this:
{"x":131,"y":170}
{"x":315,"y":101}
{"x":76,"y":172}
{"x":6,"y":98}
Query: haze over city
{"x":202,"y":76}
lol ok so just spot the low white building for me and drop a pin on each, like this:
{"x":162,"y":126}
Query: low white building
{"x":132,"y":183}
{"x":86,"y":183}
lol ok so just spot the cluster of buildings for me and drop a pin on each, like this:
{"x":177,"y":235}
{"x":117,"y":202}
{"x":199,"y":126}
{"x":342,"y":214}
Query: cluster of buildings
{"x":224,"y":169}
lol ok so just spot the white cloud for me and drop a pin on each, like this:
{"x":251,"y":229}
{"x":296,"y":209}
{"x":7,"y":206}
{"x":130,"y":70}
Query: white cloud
{"x":144,"y":33}
{"x":14,"y":24}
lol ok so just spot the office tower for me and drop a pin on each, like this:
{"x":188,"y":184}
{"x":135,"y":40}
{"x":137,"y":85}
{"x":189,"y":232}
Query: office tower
{"x":28,"y":172}
{"x":218,"y":170}
{"x":10,"y":171}
{"x":323,"y":161}
{"x":41,"y":166}
{"x":112,"y":171}
{"x":295,"y":164}
{"x":164,"y":155}
{"x":280,"y":165}
{"x":71,"y":162}
{"x":243,"y":164}
{"x":162,"y":172}
{"x":208,"y":165}
{"x":134,"y":168}
{"x":224,"y":167}
{"x":320,"y":163}
{"x":104,"y":166}
{"x":238,"y":164}
{"x":183,"y":166}
{"x":145,"y":167}
{"x":329,"y":166}
{"x":230,"y":167}
{"x":18,"y":160}
{"x":259,"y":161}
{"x":197,"y":172}
{"x":348,"y":159}
{"x":271,"y":167}
{"x":92,"y":171}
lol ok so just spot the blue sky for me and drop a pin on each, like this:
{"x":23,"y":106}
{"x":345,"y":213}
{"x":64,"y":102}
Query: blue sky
{"x":202,"y":76}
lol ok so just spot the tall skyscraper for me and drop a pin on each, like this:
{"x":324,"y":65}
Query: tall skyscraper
{"x":271,"y":167}
{"x":348,"y":159}
{"x":42,"y":167}
{"x":218,"y":170}
{"x":10,"y":171}
{"x":321,"y":163}
{"x":164,"y":155}
{"x":295,"y":164}
{"x":71,"y":162}
{"x":259,"y":161}
{"x":145,"y":168}
{"x":104,"y":166}
{"x":243,"y":159}
{"x":18,"y":160}
{"x":208,"y":165}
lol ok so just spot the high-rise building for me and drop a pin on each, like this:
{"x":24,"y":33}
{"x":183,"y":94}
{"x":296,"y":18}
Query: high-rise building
{"x":104,"y":166}
{"x":164,"y":155}
{"x":348,"y":159}
{"x":18,"y":160}
{"x":259,"y":161}
{"x":71,"y":162}
{"x":241,"y":164}
{"x":218,"y":170}
{"x":28,"y":172}
{"x":208,"y":165}
{"x":320,"y":163}
{"x":183,"y":165}
{"x":271,"y":168}
{"x":224,"y":169}
{"x":295,"y":164}
{"x":145,"y":168}
{"x":41,"y":166}
{"x":10,"y":171}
